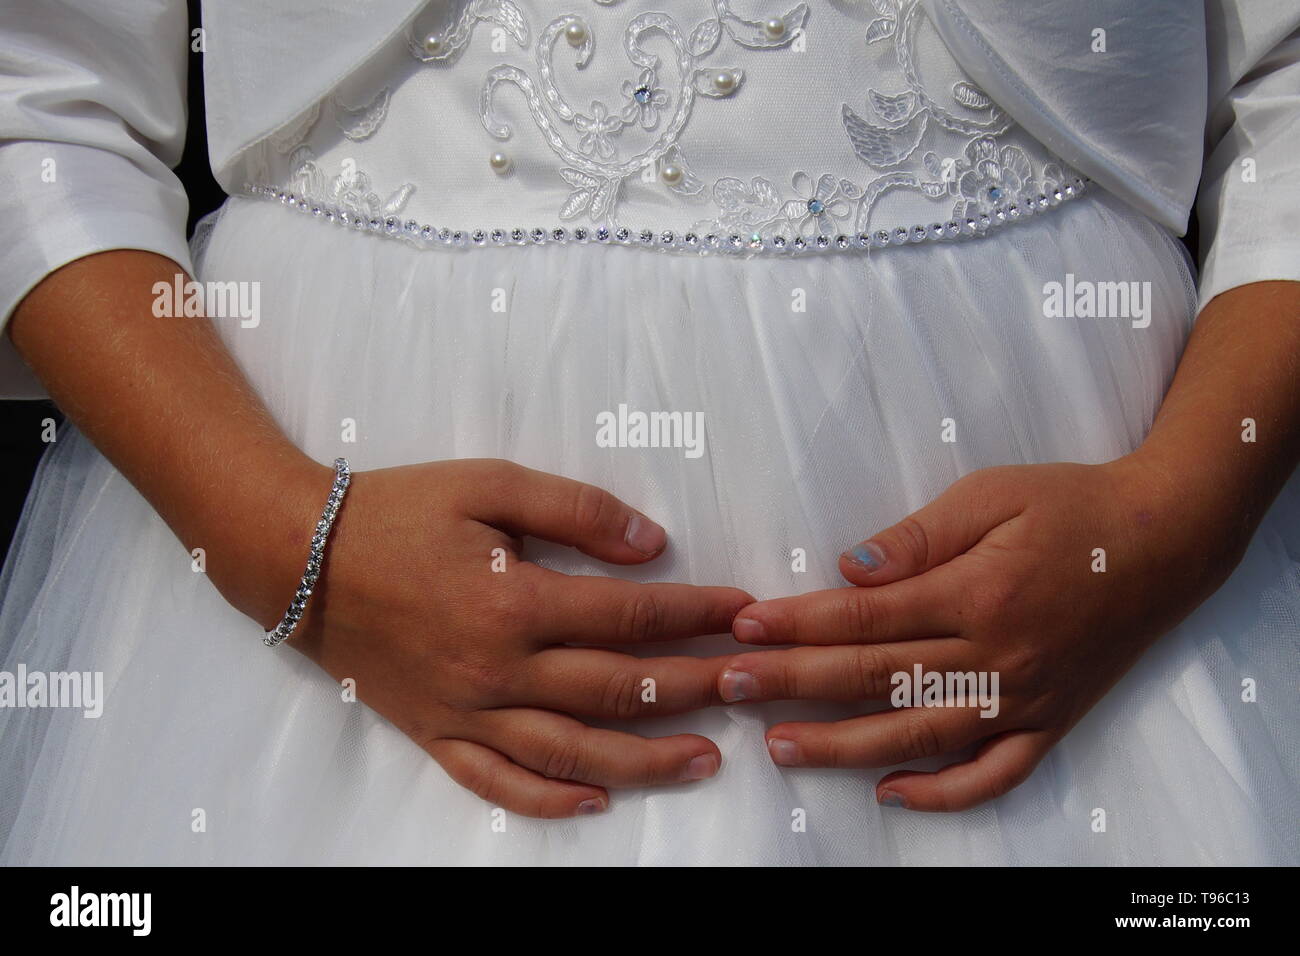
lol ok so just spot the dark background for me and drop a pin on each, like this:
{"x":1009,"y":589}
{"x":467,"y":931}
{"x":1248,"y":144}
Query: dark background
{"x":20,"y":422}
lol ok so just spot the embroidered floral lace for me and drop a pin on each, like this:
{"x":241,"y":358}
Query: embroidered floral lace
{"x":695,"y":125}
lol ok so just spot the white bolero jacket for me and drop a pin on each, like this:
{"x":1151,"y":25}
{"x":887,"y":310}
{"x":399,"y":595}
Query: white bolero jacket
{"x":1192,"y":96}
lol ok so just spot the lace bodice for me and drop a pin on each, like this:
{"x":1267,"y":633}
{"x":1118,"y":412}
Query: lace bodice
{"x":729,"y":125}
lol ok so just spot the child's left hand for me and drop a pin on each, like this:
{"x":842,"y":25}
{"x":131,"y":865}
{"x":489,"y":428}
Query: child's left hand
{"x":998,"y":574}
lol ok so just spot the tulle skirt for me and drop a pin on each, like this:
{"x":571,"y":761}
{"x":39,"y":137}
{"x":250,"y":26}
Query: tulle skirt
{"x":838,"y":392}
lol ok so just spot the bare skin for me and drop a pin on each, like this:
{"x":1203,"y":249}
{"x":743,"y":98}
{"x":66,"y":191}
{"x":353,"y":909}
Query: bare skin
{"x":992,"y":575}
{"x":997,"y":575}
{"x":474,"y":669}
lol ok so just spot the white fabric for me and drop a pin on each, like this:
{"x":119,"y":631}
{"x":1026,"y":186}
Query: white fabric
{"x":820,"y":427}
{"x":92,"y":115}
{"x":1249,"y":205}
{"x":750,"y":161}
{"x":1131,"y":117}
{"x":1125,"y":105}
{"x":110,"y":76}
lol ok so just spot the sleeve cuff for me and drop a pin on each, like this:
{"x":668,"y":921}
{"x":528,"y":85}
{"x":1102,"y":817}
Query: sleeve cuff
{"x":1230,"y":265}
{"x":60,"y":202}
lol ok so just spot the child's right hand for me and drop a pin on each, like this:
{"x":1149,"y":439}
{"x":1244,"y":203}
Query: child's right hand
{"x":472,"y":663}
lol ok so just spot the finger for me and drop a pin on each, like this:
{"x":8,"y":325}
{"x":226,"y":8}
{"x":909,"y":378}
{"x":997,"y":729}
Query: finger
{"x":587,"y":682}
{"x":521,"y":501}
{"x":595,"y":610}
{"x":928,"y":606}
{"x":948,"y":526}
{"x":561,"y":748}
{"x":501,"y":783}
{"x":1001,"y":765}
{"x":877,"y":740}
{"x":852,"y":672}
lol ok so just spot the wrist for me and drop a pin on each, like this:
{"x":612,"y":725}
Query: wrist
{"x":261,"y":526}
{"x":1190,"y":515}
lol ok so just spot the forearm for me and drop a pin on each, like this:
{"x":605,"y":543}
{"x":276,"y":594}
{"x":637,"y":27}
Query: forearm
{"x":1241,"y":362}
{"x":164,"y":401}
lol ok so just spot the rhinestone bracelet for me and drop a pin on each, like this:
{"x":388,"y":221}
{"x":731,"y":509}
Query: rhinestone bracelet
{"x":298,"y":607}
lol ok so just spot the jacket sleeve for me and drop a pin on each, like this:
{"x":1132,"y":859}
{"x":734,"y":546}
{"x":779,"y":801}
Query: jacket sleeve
{"x":92,"y":118}
{"x":1249,"y":203}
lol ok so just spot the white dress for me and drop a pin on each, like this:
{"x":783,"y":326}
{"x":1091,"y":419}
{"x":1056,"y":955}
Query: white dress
{"x":819,"y":234}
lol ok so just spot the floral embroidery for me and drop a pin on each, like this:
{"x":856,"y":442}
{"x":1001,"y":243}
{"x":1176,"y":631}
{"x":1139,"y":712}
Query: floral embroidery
{"x":821,"y":208}
{"x":595,"y":130}
{"x":594,"y":168}
{"x":992,"y":175}
{"x":645,"y":100}
{"x":982,"y":181}
{"x":885,"y":25}
{"x":362,"y":122}
{"x":982,"y":178}
{"x":350,"y":190}
{"x":444,"y":43}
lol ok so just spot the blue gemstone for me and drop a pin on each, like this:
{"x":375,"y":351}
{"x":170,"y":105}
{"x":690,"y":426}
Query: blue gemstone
{"x":642,"y":94}
{"x":995,"y":193}
{"x":816,"y":207}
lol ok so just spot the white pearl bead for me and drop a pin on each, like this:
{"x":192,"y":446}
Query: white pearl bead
{"x":576,"y":33}
{"x":671,"y":174}
{"x":775,"y":28}
{"x":500,"y":163}
{"x":724,"y":81}
{"x":433,"y":44}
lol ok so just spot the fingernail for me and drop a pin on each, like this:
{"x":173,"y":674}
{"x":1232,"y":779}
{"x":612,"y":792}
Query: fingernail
{"x":784,"y":752}
{"x":887,"y":798}
{"x":588,"y":807}
{"x":705,"y":765}
{"x":866,"y":555}
{"x":747,"y":630}
{"x":738,"y":685}
{"x":644,"y":536}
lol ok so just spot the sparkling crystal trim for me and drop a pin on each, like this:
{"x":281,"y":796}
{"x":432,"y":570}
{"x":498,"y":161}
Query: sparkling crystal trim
{"x":427,"y":236}
{"x":298,"y":607}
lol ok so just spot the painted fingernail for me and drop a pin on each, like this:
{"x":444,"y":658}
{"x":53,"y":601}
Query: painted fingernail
{"x":705,"y":765}
{"x":588,"y":807}
{"x":747,"y":630}
{"x":784,"y":752}
{"x":644,"y":536}
{"x":738,"y":685}
{"x":866,"y":555}
{"x":887,"y":798}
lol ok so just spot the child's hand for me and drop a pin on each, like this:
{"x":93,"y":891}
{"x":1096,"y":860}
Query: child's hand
{"x":996,"y":575}
{"x":471,"y":663}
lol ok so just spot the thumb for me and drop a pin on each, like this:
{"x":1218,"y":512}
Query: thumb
{"x":948,"y":526}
